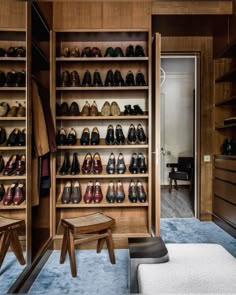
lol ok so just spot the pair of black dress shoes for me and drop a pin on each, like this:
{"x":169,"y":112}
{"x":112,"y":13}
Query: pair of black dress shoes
{"x":12,"y":79}
{"x":115,"y":137}
{"x":85,"y":137}
{"x":114,"y":79}
{"x":16,"y":138}
{"x":136,"y":135}
{"x":65,"y":110}
{"x":63,"y":139}
{"x":138,"y":51}
{"x":67,"y":167}
{"x":13,"y":52}
{"x":138,"y":81}
{"x":137,"y":164}
{"x":112,"y":167}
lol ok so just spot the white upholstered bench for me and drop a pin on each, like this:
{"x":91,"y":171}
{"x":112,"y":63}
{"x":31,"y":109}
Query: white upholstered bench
{"x":192,"y":268}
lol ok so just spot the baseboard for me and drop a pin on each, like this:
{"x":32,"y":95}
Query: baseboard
{"x":225,"y":226}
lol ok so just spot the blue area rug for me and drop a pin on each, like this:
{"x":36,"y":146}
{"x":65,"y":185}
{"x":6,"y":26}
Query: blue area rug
{"x":191,"y":230}
{"x":97,"y":276}
{"x":9,"y":272}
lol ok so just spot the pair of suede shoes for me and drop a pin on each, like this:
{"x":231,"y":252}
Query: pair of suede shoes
{"x":63,"y":139}
{"x":112,"y":109}
{"x":88,"y":110}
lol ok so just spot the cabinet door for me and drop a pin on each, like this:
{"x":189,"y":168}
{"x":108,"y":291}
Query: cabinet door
{"x":156,"y":132}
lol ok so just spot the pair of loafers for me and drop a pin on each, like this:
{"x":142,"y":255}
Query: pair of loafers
{"x":112,"y":109}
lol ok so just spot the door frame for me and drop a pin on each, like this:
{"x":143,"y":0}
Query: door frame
{"x":196,"y":113}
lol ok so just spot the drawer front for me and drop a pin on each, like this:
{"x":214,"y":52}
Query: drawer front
{"x":225,"y":190}
{"x":224,"y":175}
{"x":225,"y":210}
{"x":227,"y":164}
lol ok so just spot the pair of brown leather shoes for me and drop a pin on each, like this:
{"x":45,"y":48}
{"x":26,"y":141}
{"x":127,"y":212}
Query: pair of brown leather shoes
{"x":70,"y":79}
{"x":92,"y":164}
{"x":88,"y":110}
{"x":16,"y":111}
{"x":15,"y":165}
{"x":93,"y":192}
{"x":15,"y":194}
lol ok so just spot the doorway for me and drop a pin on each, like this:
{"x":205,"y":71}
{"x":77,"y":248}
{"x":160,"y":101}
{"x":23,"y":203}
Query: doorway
{"x":178,"y":106}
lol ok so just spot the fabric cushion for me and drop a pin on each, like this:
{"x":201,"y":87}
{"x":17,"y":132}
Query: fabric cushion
{"x":192,"y":268}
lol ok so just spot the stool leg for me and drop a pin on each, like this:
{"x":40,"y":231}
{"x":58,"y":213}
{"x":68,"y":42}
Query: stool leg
{"x":71,"y":250}
{"x":64,"y":246}
{"x":16,"y":247}
{"x":4,"y":245}
{"x":110,"y":247}
{"x":100,"y":243}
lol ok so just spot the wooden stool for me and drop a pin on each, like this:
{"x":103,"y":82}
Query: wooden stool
{"x":93,"y":223}
{"x":9,"y":237}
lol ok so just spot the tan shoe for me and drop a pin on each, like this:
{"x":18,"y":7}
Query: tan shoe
{"x":21,"y":111}
{"x":13,"y":111}
{"x":4,"y":108}
{"x":115,"y":109}
{"x":106,"y":109}
{"x":85,"y":109}
{"x":94,"y":109}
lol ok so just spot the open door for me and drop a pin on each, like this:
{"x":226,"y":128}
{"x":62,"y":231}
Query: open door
{"x":156,"y":132}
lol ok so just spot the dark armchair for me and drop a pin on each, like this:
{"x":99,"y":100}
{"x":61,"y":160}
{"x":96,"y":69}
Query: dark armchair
{"x":183,"y":170}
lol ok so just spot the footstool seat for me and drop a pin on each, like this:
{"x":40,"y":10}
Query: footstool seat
{"x":9,"y":238}
{"x":144,"y":250}
{"x":97,"y":225}
{"x":192,"y":268}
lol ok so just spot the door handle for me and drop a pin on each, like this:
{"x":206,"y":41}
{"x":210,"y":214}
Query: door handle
{"x":163,"y":152}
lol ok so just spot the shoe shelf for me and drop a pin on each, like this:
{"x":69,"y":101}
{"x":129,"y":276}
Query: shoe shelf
{"x":99,"y":117}
{"x":98,"y":59}
{"x":13,"y":207}
{"x":218,"y":127}
{"x":5,"y":58}
{"x":12,"y":118}
{"x":16,"y":88}
{"x":137,"y":220}
{"x":103,"y":175}
{"x":102,"y":145}
{"x":12,"y":177}
{"x":102,"y":88}
{"x":12,"y":148}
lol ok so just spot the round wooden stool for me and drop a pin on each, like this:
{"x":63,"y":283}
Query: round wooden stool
{"x":9,"y":237}
{"x":97,"y":223}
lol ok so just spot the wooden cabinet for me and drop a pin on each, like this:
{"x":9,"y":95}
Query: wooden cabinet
{"x":132,"y":219}
{"x":224,"y":201}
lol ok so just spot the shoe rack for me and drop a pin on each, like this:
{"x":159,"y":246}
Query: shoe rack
{"x":224,"y":184}
{"x":14,"y":96}
{"x":132,"y":219}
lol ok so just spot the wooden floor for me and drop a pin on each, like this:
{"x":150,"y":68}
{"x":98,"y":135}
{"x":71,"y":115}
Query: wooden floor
{"x":176,"y":204}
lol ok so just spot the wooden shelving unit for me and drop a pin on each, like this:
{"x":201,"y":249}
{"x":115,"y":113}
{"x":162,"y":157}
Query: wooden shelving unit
{"x":224,"y":185}
{"x":136,"y":213}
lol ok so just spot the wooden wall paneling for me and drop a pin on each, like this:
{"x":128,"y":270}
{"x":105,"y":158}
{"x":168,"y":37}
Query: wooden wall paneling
{"x":225,"y":210}
{"x":127,"y":14}
{"x":204,"y":46}
{"x":225,"y":190}
{"x":13,"y":14}
{"x":77,"y":15}
{"x":191,"y":7}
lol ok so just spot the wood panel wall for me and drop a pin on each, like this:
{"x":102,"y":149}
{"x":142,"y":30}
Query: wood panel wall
{"x":202,"y":45}
{"x":102,"y":15}
{"x":13,"y":14}
{"x":191,"y":7}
